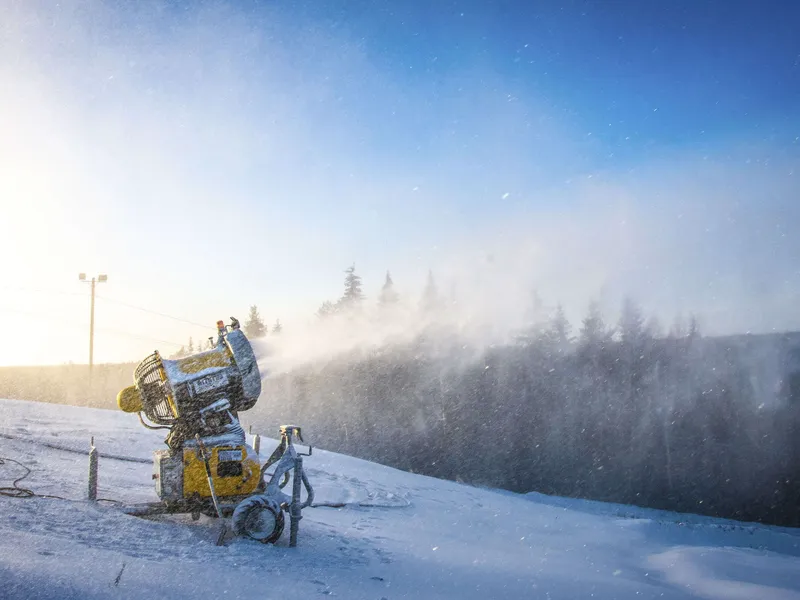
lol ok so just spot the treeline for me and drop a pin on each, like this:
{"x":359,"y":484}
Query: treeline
{"x":623,"y":414}
{"x":67,"y":384}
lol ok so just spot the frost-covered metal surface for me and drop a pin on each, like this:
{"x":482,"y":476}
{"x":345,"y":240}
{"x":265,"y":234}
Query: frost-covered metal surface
{"x":177,"y":375}
{"x":191,"y":369}
{"x":233,"y":437}
{"x":248,"y":366}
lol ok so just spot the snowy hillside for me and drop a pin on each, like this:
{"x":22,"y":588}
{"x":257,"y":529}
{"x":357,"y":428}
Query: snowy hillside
{"x":399,"y":535}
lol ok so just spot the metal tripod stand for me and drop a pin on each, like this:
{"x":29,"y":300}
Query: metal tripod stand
{"x":288,"y":460}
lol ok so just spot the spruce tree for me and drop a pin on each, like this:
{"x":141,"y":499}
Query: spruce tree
{"x":327,"y":309}
{"x":430,"y":296}
{"x":254,"y":327}
{"x":277,"y":328}
{"x":388,"y":295}
{"x":631,"y":324}
{"x":694,"y":328}
{"x":534,"y":329}
{"x":593,"y":328}
{"x":653,"y":328}
{"x":560,"y":329}
{"x":352,"y":296}
{"x":678,"y":329}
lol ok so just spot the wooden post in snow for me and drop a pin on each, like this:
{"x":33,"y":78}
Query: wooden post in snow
{"x":92,"y":472}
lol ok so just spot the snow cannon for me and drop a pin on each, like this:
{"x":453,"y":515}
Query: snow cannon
{"x":208,"y":467}
{"x":197,"y":394}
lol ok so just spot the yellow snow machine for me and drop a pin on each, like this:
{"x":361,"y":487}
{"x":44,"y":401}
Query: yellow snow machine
{"x":208,"y":467}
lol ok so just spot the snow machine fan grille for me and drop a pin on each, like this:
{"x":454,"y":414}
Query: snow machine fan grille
{"x":150,"y":380}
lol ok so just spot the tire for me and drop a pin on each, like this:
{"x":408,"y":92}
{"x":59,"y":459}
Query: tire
{"x":259,"y":518}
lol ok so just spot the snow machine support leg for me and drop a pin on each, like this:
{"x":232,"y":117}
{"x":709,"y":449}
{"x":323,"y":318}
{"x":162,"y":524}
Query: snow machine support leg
{"x":296,"y":507}
{"x":288,"y":462}
{"x":224,"y":529}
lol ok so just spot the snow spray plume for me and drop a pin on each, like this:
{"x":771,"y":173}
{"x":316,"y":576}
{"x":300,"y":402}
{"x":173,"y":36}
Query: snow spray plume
{"x":607,"y":245}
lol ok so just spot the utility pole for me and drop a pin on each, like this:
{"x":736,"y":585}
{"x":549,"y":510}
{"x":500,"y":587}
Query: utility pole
{"x":94,"y":281}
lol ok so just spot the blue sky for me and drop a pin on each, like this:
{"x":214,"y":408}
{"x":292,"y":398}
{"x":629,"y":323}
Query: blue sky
{"x":213,"y":155}
{"x":710,"y":67}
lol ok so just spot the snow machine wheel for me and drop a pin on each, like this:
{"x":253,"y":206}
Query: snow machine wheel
{"x":259,"y":518}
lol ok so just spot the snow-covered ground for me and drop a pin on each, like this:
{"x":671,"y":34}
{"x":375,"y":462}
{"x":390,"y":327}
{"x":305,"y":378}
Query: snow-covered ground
{"x":399,"y":535}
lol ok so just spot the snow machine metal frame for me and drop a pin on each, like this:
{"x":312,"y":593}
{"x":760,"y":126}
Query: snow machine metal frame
{"x":269,"y":495}
{"x":288,"y":463}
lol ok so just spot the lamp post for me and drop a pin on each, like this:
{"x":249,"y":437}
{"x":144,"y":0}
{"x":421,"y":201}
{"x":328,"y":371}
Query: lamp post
{"x":94,"y":281}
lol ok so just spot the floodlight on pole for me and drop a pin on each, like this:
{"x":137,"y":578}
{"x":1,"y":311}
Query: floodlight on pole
{"x":95,"y":280}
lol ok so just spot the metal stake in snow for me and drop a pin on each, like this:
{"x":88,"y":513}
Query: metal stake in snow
{"x":92,"y":471}
{"x":296,"y":507}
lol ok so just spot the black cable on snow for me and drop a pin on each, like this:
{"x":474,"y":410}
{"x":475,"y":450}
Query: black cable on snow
{"x":19,"y":492}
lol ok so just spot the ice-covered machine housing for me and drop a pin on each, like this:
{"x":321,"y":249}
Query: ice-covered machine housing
{"x":200,"y":393}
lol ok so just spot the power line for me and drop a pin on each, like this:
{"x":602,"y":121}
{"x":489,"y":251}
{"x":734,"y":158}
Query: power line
{"x":111,"y":300}
{"x":138,"y":337}
{"x":81,"y":325}
{"x":70,"y":323}
{"x":42,"y":291}
{"x":154,"y":312}
{"x":39,"y":316}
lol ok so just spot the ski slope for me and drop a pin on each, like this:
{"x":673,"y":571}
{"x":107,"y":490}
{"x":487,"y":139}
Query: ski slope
{"x":399,"y":536}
